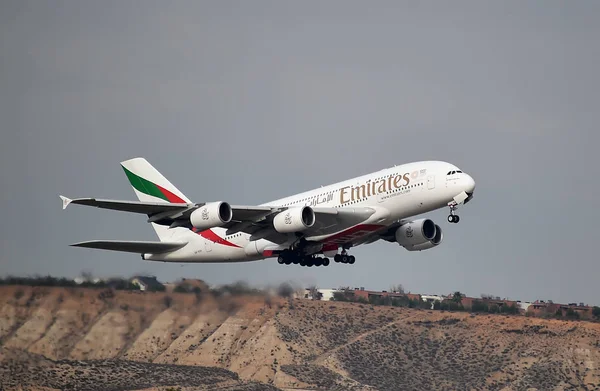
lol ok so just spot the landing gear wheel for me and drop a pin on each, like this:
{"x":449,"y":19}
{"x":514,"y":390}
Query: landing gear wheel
{"x":453,"y":219}
{"x":344,"y":259}
{"x":318,"y":261}
{"x":280,"y":259}
{"x":325,"y":261}
{"x":351,"y":259}
{"x":337,"y":258}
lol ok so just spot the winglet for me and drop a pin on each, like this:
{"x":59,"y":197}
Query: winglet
{"x":65,"y":201}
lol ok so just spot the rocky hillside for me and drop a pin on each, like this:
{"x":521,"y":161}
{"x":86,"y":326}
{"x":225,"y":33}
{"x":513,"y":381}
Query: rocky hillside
{"x":85,"y":339}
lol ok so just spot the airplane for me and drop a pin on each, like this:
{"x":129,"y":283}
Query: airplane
{"x":304,"y":229}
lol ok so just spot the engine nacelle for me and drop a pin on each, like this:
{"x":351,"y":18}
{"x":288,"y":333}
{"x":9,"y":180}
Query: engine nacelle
{"x":419,"y":235}
{"x":294,"y":220}
{"x":211,"y":215}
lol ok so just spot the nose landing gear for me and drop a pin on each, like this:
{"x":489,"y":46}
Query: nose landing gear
{"x":453,"y":218}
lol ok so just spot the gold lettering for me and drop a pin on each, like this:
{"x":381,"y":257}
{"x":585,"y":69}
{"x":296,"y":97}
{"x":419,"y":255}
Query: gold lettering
{"x":356,"y":192}
{"x":342,"y":192}
{"x":407,"y":179}
{"x":369,"y":188}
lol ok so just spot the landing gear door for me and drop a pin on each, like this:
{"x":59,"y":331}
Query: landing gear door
{"x":431,"y":182}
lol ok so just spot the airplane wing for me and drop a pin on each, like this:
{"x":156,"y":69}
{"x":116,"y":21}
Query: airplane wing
{"x":331,"y":220}
{"x":386,"y":233}
{"x":254,"y":220}
{"x":127,"y":206}
{"x":139,"y":247}
{"x":171,"y":212}
{"x":327,"y":221}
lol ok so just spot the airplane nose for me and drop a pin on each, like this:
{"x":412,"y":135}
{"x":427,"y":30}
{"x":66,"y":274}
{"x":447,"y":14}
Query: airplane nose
{"x":469,"y":184}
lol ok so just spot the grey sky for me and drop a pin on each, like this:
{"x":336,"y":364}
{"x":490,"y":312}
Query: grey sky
{"x":251,"y":101}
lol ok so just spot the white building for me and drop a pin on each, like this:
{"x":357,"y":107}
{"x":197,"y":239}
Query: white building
{"x":432,"y":299}
{"x":523,"y":305}
{"x":326,"y":294}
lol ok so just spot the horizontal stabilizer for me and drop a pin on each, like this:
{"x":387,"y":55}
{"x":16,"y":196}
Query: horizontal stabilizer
{"x":140,"y":247}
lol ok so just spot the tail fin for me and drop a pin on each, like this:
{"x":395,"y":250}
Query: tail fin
{"x":151,"y":186}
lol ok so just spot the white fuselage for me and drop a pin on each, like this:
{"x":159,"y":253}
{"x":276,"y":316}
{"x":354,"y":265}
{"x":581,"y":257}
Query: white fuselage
{"x":395,"y":193}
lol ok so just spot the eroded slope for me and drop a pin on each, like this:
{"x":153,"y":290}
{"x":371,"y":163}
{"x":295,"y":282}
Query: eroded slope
{"x":300,"y":344}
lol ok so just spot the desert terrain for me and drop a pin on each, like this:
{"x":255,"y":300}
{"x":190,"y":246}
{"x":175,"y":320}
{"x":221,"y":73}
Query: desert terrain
{"x":54,"y":338}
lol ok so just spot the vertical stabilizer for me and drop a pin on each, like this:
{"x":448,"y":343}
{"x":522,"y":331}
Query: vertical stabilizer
{"x":151,"y":186}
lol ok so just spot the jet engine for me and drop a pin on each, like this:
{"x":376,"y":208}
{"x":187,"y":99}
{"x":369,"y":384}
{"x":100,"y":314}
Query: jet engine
{"x":211,"y":215}
{"x":294,"y":219}
{"x":419,"y":235}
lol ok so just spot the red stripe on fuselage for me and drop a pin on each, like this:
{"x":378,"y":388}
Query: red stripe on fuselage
{"x":350,"y":234}
{"x":334,"y":242}
{"x":213,"y":237}
{"x":331,"y":243}
{"x":330,"y":247}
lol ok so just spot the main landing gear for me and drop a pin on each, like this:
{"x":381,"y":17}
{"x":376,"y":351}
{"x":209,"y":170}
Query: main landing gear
{"x":453,"y":218}
{"x":344,"y":258}
{"x":288,"y":257}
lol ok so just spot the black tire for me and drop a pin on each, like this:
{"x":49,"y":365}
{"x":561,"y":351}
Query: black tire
{"x":456,"y":219}
{"x":280,"y":259}
{"x":337,"y":258}
{"x":451,"y":218}
{"x":318,"y":261}
{"x":351,"y":259}
{"x":325,"y":261}
{"x":302,"y":262}
{"x":344,"y":259}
